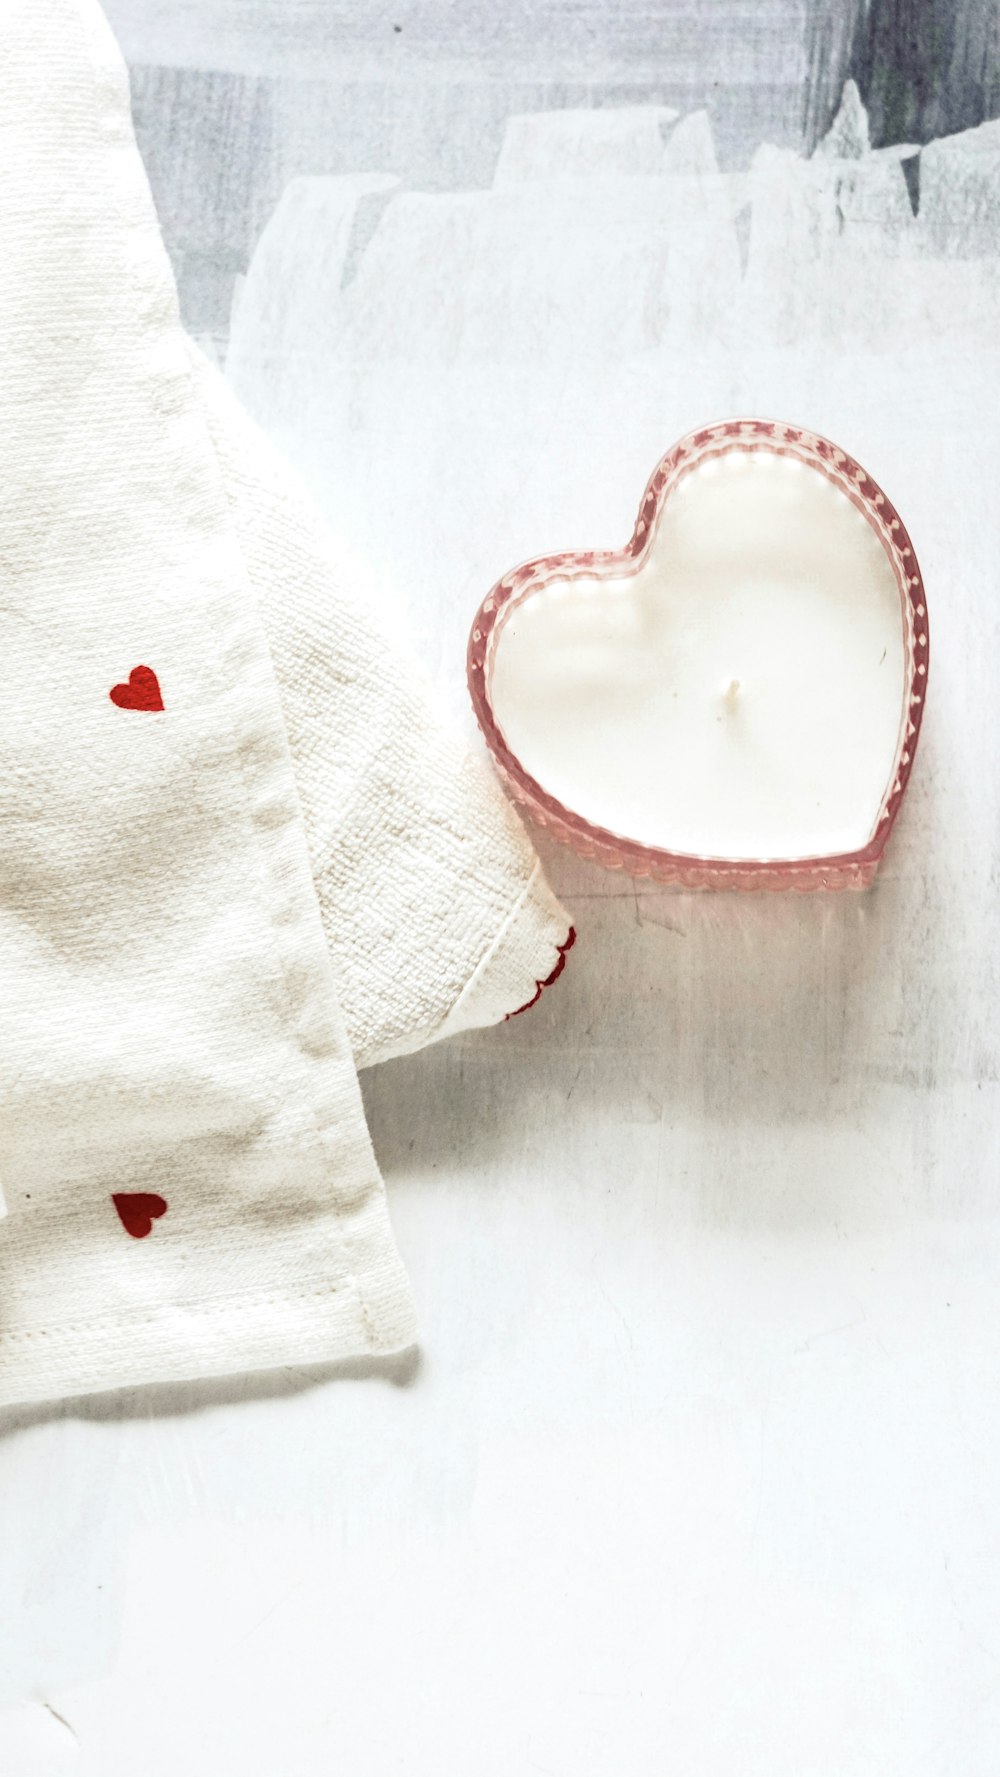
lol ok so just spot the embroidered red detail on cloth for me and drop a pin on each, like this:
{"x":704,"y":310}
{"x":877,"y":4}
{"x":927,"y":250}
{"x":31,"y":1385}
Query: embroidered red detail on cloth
{"x":138,"y":1210}
{"x":540,"y":986}
{"x":141,"y":693}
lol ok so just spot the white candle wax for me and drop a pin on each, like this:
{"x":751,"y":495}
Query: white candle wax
{"x":741,"y":694}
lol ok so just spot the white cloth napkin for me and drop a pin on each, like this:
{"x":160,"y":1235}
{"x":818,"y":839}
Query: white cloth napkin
{"x":434,"y":905}
{"x":190,"y":1184}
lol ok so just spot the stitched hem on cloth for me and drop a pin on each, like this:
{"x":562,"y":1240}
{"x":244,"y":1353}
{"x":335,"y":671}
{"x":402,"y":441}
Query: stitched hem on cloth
{"x":275,"y":1332}
{"x":540,"y":986}
{"x":544,"y":926}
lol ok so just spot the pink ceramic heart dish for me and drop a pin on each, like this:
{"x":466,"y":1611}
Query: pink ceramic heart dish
{"x":734,"y":699}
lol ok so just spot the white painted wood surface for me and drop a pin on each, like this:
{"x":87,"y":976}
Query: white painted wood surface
{"x":697,"y":1470}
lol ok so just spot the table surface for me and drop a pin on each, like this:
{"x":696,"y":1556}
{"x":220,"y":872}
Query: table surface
{"x":697,"y":1467}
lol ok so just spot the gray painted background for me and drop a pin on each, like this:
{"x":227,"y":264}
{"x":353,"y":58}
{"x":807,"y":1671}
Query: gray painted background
{"x":232,"y":98}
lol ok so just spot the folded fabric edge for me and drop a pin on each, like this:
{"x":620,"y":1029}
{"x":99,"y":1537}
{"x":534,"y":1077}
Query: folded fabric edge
{"x":528,"y":946}
{"x":288,"y":1331}
{"x":527,"y":954}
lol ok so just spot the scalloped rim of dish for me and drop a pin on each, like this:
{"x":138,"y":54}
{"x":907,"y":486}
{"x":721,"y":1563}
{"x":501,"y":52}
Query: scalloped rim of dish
{"x":615,"y":850}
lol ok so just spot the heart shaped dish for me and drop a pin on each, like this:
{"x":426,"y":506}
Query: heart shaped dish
{"x":734,"y":699}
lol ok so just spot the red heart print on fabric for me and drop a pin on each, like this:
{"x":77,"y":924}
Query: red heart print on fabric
{"x":138,"y":1210}
{"x":141,"y":693}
